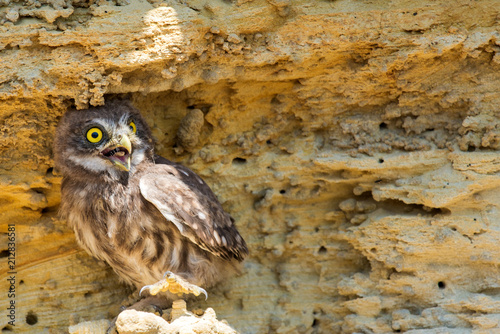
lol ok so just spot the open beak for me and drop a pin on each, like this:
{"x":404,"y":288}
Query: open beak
{"x":120,"y":153}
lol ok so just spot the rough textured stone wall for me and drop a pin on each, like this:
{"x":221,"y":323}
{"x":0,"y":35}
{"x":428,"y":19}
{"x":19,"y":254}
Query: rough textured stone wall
{"x":355,"y":143}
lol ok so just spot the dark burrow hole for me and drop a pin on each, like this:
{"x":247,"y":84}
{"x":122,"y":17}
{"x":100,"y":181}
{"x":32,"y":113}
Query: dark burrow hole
{"x":21,"y":282}
{"x":441,"y":285}
{"x":380,"y":161}
{"x":322,"y":250}
{"x":49,"y":209}
{"x":315,"y":323}
{"x":382,"y":126}
{"x":4,"y":253}
{"x":239,"y":161}
{"x":7,"y":328}
{"x":31,"y":318}
{"x":282,"y":191}
{"x":50,"y":170}
{"x":404,"y":208}
{"x":471,"y":148}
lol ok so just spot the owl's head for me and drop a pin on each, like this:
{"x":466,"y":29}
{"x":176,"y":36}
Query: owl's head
{"x":110,"y":140}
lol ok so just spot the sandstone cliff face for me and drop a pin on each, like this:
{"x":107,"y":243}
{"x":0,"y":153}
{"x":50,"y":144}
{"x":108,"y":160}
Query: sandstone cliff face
{"x":354,"y":142}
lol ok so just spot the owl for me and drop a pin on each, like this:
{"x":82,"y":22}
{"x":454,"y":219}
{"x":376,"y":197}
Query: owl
{"x":141,"y":213}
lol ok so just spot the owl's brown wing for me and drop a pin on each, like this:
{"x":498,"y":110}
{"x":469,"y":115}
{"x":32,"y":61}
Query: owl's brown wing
{"x":185,"y":199}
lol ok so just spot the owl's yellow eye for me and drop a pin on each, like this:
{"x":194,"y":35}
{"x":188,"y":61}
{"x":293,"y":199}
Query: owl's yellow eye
{"x":132,"y":126}
{"x":94,"y":135}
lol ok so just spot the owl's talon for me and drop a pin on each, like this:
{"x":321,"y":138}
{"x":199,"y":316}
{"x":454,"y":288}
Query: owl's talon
{"x":144,"y":288}
{"x":204,"y":292}
{"x":174,"y":284}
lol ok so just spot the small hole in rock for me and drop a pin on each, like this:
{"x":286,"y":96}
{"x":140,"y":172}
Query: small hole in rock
{"x":282,"y":191}
{"x":191,"y":107}
{"x":4,"y":253}
{"x":50,"y":170}
{"x":268,"y":142}
{"x":31,"y":318}
{"x":441,"y":285}
{"x":21,"y":282}
{"x":87,"y":294}
{"x":380,"y":161}
{"x":382,"y":126}
{"x":239,"y":161}
{"x":7,"y":329}
{"x":315,"y":323}
{"x":471,"y":148}
{"x":415,"y":14}
{"x":322,"y":250}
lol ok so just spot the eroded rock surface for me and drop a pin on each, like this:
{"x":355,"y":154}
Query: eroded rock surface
{"x":354,"y":142}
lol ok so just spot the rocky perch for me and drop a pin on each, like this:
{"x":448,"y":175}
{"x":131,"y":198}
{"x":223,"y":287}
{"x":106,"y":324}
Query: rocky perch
{"x":177,"y":320}
{"x":356,"y":143}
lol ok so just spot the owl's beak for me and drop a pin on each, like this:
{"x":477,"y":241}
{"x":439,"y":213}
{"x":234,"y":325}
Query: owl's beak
{"x":119,"y":153}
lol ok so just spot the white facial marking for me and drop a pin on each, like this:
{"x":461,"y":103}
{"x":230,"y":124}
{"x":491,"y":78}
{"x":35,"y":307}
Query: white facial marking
{"x":201,"y":215}
{"x":137,"y":157}
{"x":93,"y":163}
{"x":124,"y":118}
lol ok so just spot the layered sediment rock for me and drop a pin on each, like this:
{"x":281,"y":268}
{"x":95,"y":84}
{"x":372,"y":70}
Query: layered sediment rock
{"x":354,"y":142}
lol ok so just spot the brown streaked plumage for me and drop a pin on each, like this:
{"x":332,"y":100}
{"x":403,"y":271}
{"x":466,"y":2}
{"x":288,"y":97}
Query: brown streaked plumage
{"x":141,"y":213}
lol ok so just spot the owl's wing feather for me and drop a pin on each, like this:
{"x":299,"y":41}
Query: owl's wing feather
{"x":186,"y":200}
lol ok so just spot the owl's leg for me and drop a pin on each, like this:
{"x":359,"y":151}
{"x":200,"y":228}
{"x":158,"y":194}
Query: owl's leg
{"x":174,"y":284}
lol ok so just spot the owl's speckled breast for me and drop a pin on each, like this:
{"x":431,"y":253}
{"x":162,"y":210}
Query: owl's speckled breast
{"x":114,"y":223}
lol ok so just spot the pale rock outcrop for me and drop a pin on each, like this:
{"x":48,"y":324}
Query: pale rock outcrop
{"x":354,"y":142}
